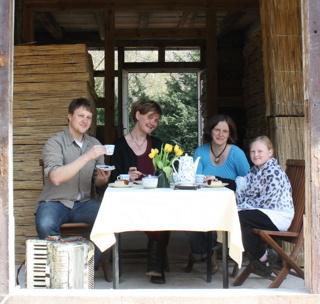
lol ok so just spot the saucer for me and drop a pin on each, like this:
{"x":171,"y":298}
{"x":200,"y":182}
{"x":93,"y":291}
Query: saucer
{"x":113,"y":185}
{"x":184,"y":184}
{"x":105,"y":167}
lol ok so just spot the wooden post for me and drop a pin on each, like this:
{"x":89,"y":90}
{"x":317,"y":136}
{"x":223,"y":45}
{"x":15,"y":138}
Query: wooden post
{"x":311,"y":63}
{"x":211,"y":68}
{"x":109,"y":132}
{"x":6,"y":156}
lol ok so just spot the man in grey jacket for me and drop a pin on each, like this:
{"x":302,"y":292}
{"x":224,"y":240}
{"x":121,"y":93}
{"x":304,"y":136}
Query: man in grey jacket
{"x":70,"y":159}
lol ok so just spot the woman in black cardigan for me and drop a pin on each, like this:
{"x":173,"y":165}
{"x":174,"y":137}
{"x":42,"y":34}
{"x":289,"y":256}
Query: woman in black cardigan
{"x":131,"y":156}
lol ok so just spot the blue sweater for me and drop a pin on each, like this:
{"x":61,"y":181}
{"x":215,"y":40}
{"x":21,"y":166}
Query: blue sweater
{"x":235,"y":165}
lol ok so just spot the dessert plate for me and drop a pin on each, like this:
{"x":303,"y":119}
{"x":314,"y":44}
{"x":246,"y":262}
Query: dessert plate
{"x":113,"y":185}
{"x":105,"y":167}
{"x":215,"y":186}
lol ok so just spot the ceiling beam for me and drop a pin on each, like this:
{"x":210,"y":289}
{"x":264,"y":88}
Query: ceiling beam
{"x":196,"y":33}
{"x":50,"y":24}
{"x":144,"y":20}
{"x":228,"y":22}
{"x":92,"y":39}
{"x":246,"y":5}
{"x":187,"y":18}
{"x":100,"y":20}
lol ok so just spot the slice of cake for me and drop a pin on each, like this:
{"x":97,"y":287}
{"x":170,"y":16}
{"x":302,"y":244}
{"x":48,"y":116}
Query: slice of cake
{"x":121,"y":182}
{"x":215,"y":182}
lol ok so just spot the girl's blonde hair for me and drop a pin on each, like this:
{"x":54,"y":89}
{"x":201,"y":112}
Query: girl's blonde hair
{"x":264,"y":139}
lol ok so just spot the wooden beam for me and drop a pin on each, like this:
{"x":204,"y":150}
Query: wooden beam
{"x":163,"y":67}
{"x":144,"y":20}
{"x":99,"y":16}
{"x":109,"y":134}
{"x":187,"y":18}
{"x":311,"y":63}
{"x":6,"y":154}
{"x":50,"y":24}
{"x":195,"y":33}
{"x":211,"y":68}
{"x":228,"y":22}
{"x":28,"y":26}
{"x":247,"y":5}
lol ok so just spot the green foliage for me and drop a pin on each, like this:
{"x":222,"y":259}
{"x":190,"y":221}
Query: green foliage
{"x":179,"y":122}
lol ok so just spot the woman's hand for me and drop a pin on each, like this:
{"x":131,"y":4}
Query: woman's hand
{"x":210,"y":177}
{"x":134,"y":173}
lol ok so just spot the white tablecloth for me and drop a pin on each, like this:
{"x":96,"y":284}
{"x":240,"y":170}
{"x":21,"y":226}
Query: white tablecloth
{"x":139,"y":209}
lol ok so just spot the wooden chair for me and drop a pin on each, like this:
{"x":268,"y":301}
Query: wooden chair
{"x":84,"y":230}
{"x":295,"y":170}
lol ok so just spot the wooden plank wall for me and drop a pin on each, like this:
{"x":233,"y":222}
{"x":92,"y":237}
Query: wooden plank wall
{"x":46,"y":79}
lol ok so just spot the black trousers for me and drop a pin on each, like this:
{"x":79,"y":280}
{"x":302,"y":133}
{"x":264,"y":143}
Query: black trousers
{"x":252,"y":243}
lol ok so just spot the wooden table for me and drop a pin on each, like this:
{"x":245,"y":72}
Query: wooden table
{"x":205,"y":209}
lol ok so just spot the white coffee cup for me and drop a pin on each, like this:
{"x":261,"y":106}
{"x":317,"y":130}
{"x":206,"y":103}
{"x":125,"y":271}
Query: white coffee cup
{"x":124,"y":177}
{"x":109,"y":149}
{"x":200,"y":178}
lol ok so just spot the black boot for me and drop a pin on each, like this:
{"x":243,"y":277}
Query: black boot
{"x":154,"y":266}
{"x":160,"y":279}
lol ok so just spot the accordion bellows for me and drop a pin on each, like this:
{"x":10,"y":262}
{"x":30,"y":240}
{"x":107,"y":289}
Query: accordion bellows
{"x":60,"y":264}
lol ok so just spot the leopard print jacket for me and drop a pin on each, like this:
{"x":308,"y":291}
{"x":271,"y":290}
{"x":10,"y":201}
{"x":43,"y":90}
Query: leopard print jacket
{"x":266,"y":188}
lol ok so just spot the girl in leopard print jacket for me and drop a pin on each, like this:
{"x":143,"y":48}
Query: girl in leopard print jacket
{"x":265,"y":202}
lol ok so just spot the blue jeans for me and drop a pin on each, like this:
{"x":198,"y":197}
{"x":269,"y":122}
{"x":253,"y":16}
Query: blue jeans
{"x":198,"y":241}
{"x":50,"y":215}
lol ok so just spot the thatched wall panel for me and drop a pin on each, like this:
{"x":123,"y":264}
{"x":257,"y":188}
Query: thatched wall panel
{"x":287,"y":134}
{"x":287,"y":93}
{"x":46,"y":79}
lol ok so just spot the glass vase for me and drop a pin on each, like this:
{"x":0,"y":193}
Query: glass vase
{"x":163,"y":181}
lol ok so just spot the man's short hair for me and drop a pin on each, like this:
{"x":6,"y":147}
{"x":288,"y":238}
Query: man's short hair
{"x":82,"y":102}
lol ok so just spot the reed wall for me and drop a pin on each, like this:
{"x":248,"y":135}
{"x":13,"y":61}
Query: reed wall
{"x":46,"y":79}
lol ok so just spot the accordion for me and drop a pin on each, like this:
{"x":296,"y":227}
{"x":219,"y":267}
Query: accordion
{"x":63,"y":264}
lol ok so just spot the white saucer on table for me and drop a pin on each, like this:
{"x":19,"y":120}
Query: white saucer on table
{"x":113,"y":185}
{"x":105,"y":167}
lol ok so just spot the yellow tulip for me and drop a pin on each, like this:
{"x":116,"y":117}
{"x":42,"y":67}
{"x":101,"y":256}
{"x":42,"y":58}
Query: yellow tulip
{"x":176,"y":148}
{"x":168,"y":148}
{"x":179,"y":152}
{"x":154,"y":151}
{"x":151,"y":155}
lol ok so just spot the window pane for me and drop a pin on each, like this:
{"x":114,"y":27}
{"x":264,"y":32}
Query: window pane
{"x":182,"y":55}
{"x":99,"y":86}
{"x":141,"y":56}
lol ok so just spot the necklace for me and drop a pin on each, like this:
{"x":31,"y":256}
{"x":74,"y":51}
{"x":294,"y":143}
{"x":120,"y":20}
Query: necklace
{"x":217,"y":157}
{"x":139,"y":146}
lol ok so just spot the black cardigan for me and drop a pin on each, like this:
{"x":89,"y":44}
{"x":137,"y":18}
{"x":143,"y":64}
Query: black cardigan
{"x":123,"y":157}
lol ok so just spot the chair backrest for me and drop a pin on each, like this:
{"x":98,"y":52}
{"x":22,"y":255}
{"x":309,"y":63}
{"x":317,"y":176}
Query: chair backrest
{"x":295,"y":169}
{"x":41,"y":163}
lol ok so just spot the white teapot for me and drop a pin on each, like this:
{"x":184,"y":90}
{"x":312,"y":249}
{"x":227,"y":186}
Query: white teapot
{"x":187,"y":169}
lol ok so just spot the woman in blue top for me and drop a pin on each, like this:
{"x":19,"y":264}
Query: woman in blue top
{"x":220,"y":159}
